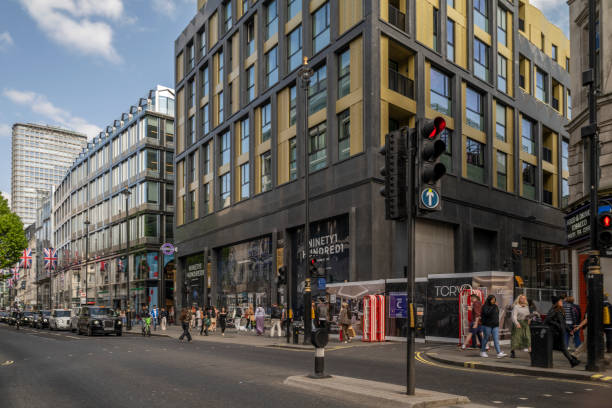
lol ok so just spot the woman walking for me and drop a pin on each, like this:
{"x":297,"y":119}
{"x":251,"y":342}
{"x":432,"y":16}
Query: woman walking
{"x":213,"y":318}
{"x":474,"y":324}
{"x":185,"y":319}
{"x":521,"y":335}
{"x":490,"y":326}
{"x":555,"y":319}
{"x":199,"y":318}
{"x":345,"y":322}
{"x":205,"y":323}
{"x":260,"y":316}
{"x":222,"y":316}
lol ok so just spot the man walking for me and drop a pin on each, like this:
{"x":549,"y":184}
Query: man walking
{"x":164,"y":318}
{"x":155,"y":316}
{"x":185,"y":320}
{"x":275,"y":316}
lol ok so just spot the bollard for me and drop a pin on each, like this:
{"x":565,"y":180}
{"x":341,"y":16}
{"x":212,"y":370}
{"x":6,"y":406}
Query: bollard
{"x":319,"y":339}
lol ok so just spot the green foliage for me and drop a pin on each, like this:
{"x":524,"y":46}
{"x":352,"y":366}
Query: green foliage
{"x":12,"y":236}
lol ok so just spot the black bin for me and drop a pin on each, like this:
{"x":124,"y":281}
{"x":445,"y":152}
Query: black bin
{"x":541,"y":346}
{"x":296,"y":334}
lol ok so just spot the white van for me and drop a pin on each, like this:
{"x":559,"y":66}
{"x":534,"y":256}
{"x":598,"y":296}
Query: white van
{"x":74,"y":318}
{"x":60,"y":319}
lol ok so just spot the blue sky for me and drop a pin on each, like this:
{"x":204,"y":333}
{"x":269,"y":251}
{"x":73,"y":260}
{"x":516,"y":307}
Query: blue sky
{"x":80,"y":63}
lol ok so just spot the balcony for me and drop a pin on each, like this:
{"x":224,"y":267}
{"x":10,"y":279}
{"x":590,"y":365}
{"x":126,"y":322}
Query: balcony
{"x":547,"y":197}
{"x":401,"y":84}
{"x":547,"y":154}
{"x":397,"y":18}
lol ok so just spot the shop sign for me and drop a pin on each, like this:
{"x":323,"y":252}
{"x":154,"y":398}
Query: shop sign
{"x":167,"y":248}
{"x":578,"y":225}
{"x":397,"y":305}
{"x":195,"y":271}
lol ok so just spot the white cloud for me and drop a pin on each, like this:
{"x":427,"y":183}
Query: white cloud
{"x":5,"y":130}
{"x":169,"y":7}
{"x":5,"y":40}
{"x":556,"y":11}
{"x":69,"y":23}
{"x":41,"y":105}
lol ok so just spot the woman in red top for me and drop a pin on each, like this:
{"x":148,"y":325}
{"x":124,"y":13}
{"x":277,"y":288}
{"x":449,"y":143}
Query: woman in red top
{"x":475,"y":327}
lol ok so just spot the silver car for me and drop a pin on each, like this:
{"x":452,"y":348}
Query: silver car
{"x":74,"y":318}
{"x":60,"y":319}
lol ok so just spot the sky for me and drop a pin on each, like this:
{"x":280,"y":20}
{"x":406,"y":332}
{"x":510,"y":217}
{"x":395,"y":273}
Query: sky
{"x":79,"y":64}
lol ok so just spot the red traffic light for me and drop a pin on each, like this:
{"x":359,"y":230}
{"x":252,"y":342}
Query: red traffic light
{"x":432,"y":128}
{"x":605,"y":220}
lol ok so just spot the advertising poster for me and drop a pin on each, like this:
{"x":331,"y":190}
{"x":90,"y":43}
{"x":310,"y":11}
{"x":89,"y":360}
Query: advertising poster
{"x":442,"y":312}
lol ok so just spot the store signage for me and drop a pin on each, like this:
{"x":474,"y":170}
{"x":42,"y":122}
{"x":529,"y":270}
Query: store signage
{"x":578,"y":225}
{"x":397,"y":305}
{"x":195,"y":271}
{"x":167,"y":248}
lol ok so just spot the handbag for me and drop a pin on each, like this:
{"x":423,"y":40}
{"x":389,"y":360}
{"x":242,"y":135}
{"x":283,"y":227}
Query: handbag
{"x":351,"y":331}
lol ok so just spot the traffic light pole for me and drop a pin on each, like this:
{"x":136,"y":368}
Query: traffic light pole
{"x":410,"y":224}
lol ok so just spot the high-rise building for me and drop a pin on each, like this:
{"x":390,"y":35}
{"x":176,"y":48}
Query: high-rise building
{"x":129,"y":164}
{"x":40,"y":157}
{"x":496,"y":71}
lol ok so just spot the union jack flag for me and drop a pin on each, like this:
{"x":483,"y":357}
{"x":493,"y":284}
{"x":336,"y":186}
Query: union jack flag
{"x":50,"y":258}
{"x":26,"y":259}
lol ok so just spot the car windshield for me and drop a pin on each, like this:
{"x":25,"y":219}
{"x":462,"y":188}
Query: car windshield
{"x":62,"y":313}
{"x":101,"y":311}
{"x":46,"y":313}
{"x":28,"y":314}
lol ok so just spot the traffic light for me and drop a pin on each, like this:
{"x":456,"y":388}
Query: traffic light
{"x":430,"y":169}
{"x":394,"y":174}
{"x":604,"y":232}
{"x":282,"y":276}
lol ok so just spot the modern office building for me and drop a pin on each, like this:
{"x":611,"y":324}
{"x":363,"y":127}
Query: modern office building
{"x":129,"y":164}
{"x":496,"y":70}
{"x":40,"y":157}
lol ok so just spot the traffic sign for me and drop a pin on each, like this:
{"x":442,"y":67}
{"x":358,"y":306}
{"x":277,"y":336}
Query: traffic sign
{"x":167,"y":249}
{"x":430,"y":198}
{"x":321,"y":283}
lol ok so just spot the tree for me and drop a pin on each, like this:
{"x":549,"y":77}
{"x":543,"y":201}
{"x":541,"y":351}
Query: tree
{"x":12,"y":236}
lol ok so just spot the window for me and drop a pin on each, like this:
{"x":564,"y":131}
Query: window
{"x":226,"y":190}
{"x":227,"y":14}
{"x":169,"y":127}
{"x":202,"y":43}
{"x":245,"y":6}
{"x":169,"y":194}
{"x":206,"y":205}
{"x":569,"y":105}
{"x":475,"y":160}
{"x":554,"y":52}
{"x":440,"y":96}
{"x":294,"y":49}
{"x":191,"y":54}
{"x":192,"y":93}
{"x":450,"y":3}
{"x":272,"y":67}
{"x":502,"y":73}
{"x":481,"y":14}
{"x":152,"y":160}
{"x":293,"y":8}
{"x":344,"y":135}
{"x":266,"y":171}
{"x":250,"y":37}
{"x":502,"y":171}
{"x":320,"y":28}
{"x":344,"y":74}
{"x":244,"y":136}
{"x":266,"y":122}
{"x":500,"y":122}
{"x":447,"y":137}
{"x":192,"y":124}
{"x":250,"y":95}
{"x":436,"y":28}
{"x":271,"y":19}
{"x":225,"y":148}
{"x":502,"y":24}
{"x":152,"y":128}
{"x":244,"y":181}
{"x":450,"y":40}
{"x":527,"y":136}
{"x":192,"y":176}
{"x":207,"y":158}
{"x":317,"y":92}
{"x":205,"y":81}
{"x":541,"y":85}
{"x":230,"y":92}
{"x":149,"y":228}
{"x":292,"y":105}
{"x":564,"y":155}
{"x":474,"y":114}
{"x":317,"y":148}
{"x":220,"y":107}
{"x":169,"y":164}
{"x":542,"y":41}
{"x":152,"y":192}
{"x":529,"y":183}
{"x":292,"y":159}
{"x":205,"y":119}
{"x":481,"y":60}
{"x":220,"y":71}
{"x":564,"y":192}
{"x":567,"y":64}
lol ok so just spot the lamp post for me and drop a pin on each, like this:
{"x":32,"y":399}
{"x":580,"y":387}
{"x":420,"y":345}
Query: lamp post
{"x":126,"y":192}
{"x":86,"y":260}
{"x":305,"y":73}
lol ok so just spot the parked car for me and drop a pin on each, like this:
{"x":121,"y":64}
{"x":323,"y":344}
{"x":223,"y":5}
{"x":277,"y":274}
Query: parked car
{"x":99,"y":320}
{"x":27,"y":318}
{"x":60,"y":319}
{"x":41,"y":319}
{"x":74,"y":318}
{"x":3,"y":316}
{"x":12,"y":318}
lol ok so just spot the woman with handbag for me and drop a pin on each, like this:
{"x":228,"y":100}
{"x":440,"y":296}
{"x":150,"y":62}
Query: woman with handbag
{"x":345,"y":322}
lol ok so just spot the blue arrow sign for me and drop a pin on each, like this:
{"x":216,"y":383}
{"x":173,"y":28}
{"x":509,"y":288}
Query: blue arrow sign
{"x":430,"y":198}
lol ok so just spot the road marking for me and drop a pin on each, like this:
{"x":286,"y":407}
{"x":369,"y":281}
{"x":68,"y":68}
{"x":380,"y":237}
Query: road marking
{"x":523,"y":398}
{"x":72,"y":337}
{"x":585,"y":382}
{"x":69,"y":355}
{"x":497,"y":402}
{"x":421,"y":359}
{"x":7,"y":363}
{"x":569,"y":392}
{"x":607,"y":378}
{"x":546,"y":395}
{"x":588,"y":389}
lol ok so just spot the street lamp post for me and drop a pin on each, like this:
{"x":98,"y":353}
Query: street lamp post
{"x":305,"y":73}
{"x":86,"y":260}
{"x":126,"y":192}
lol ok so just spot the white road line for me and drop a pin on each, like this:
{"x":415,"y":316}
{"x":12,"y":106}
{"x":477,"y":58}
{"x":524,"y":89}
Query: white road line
{"x":588,"y":389}
{"x":73,"y":337}
{"x":569,"y":392}
{"x":523,"y":398}
{"x":546,"y":395}
{"x":497,"y":402}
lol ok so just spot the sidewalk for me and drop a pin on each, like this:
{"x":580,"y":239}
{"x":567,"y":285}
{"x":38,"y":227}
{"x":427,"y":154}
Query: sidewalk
{"x":470,"y":358}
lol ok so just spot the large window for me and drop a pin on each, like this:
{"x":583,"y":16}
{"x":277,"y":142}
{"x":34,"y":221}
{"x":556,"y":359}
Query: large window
{"x":192,"y":176}
{"x":169,"y":127}
{"x":447,"y":157}
{"x":344,"y":135}
{"x":152,"y":160}
{"x":474,"y":113}
{"x":169,"y":163}
{"x":227,"y":15}
{"x":220,"y":107}
{"x":293,"y":8}
{"x":344,"y":74}
{"x":192,"y":93}
{"x":500,"y":122}
{"x":541,"y":91}
{"x":266,"y":122}
{"x":475,"y":160}
{"x":529,"y":183}
{"x":192,"y":129}
{"x":205,"y":119}
{"x":244,"y":181}
{"x":502,"y":73}
{"x":205,"y":81}
{"x":193,"y":204}
{"x":554,"y":52}
{"x":481,"y":14}
{"x":502,"y":171}
{"x":250,"y":77}
{"x":502,"y":23}
{"x":207,"y":147}
{"x":225,"y":148}
{"x":169,"y":195}
{"x":250,"y":37}
{"x":244,"y":136}
{"x":272,"y":67}
{"x":266,"y":171}
{"x":191,"y":50}
{"x":152,"y":192}
{"x":292,"y":159}
{"x":317,"y":148}
{"x":481,"y":60}
{"x":226,"y":190}
{"x":569,"y":105}
{"x":564,"y":192}
{"x":320,"y":28}
{"x":152,"y":127}
{"x":221,"y":64}
{"x":294,"y":48}
{"x":450,"y":40}
{"x":440,"y":95}
{"x":317,"y":92}
{"x":527,"y":136}
{"x":292,"y":105}
{"x":564,"y":155}
{"x":202,"y":43}
{"x":436,"y":29}
{"x":206,"y":204}
{"x":271,"y":19}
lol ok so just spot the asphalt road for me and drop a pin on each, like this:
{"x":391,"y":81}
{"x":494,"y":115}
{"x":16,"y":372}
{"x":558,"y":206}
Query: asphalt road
{"x":61,"y":369}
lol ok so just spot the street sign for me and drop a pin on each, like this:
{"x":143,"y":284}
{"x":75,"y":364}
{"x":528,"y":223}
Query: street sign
{"x":321,"y":282}
{"x":430,"y":198}
{"x":167,"y":249}
{"x":397,"y":305}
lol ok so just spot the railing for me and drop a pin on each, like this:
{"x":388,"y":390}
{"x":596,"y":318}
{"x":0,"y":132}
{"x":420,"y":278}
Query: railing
{"x":555,"y":103}
{"x":547,"y":197}
{"x":547,"y":154}
{"x":397,"y":18}
{"x":401,"y":84}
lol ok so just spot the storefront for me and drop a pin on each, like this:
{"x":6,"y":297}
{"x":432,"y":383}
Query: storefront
{"x":194,"y":280}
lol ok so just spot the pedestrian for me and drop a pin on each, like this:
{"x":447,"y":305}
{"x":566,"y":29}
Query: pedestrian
{"x":490,"y":326}
{"x":155,"y":316}
{"x":475,"y":334}
{"x":521,"y":334}
{"x":213,"y":318}
{"x":555,"y":319}
{"x":322,"y":313}
{"x":164,"y":318}
{"x":205,"y":323}
{"x":199,"y":318}
{"x":260,"y":316}
{"x":222,"y":316}
{"x":345,"y":322}
{"x":193,"y":317}
{"x":123,"y":318}
{"x":171,"y":315}
{"x":275,"y":316}
{"x":185,"y":320}
{"x":607,"y":323}
{"x":251,"y":318}
{"x":573,"y":317}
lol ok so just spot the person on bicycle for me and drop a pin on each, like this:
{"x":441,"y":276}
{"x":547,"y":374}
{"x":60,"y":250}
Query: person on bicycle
{"x":146,"y":324}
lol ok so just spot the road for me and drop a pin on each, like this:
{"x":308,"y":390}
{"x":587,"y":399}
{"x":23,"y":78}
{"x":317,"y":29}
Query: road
{"x":60,"y":369}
